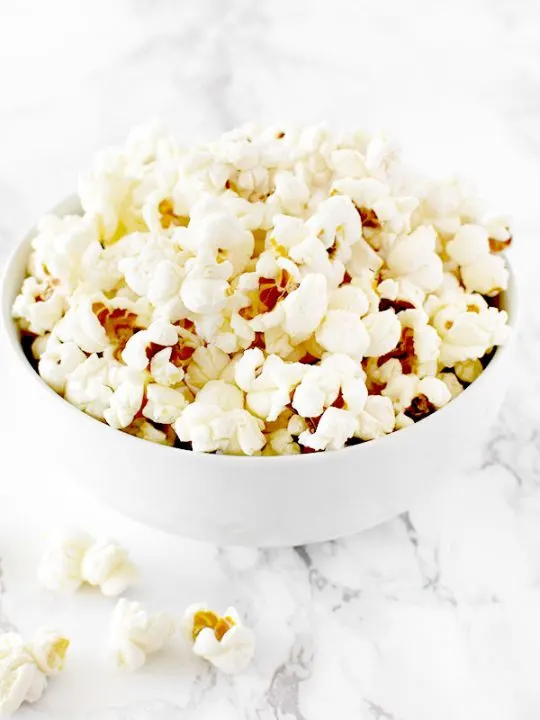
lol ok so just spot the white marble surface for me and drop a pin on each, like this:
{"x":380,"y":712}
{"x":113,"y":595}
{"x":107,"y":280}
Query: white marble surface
{"x":434,"y":615}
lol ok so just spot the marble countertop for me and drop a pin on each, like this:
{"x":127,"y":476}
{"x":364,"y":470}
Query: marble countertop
{"x":435,"y":615}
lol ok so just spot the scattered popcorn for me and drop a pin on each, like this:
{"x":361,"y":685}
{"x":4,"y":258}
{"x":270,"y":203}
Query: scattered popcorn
{"x":223,"y":641}
{"x":75,"y":559}
{"x":24,"y":668}
{"x":275,"y":291}
{"x":48,"y":649}
{"x":134,"y":634}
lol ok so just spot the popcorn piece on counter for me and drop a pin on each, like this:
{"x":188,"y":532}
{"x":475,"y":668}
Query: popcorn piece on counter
{"x":24,"y":668}
{"x":60,"y":567}
{"x":48,"y":649}
{"x":107,"y":566}
{"x":207,"y":292}
{"x":74,"y":559}
{"x":20,"y":678}
{"x":223,"y":641}
{"x":134,"y":634}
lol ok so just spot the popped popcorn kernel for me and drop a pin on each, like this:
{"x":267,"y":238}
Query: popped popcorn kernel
{"x":26,"y":667}
{"x":74,"y":559}
{"x":275,"y":291}
{"x":224,"y":640}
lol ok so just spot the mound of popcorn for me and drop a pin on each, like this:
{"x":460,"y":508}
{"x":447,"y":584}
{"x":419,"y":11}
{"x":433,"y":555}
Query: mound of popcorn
{"x":276,"y":291}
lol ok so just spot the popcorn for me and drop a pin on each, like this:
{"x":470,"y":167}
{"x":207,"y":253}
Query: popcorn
{"x":376,"y":419}
{"x":88,"y":386}
{"x":304,"y":308}
{"x":223,"y":641}
{"x":81,"y":325}
{"x":384,"y":332}
{"x":487,"y":275}
{"x":281,"y":442}
{"x":24,"y":668}
{"x":58,"y":360}
{"x":268,"y":382}
{"x":163,"y":371}
{"x":471,"y":335}
{"x":334,"y":428}
{"x":48,"y":650}
{"x":163,"y":404}
{"x":74,"y":559}
{"x":107,"y":566}
{"x":134,"y":634}
{"x":154,"y":272}
{"x":468,"y":370}
{"x":343,"y":332}
{"x":413,"y":257}
{"x":417,"y":398}
{"x":350,"y":298}
{"x":452,"y":383}
{"x":205,"y":287}
{"x":216,"y":421}
{"x":322,"y":385}
{"x":126,"y":401}
{"x":207,"y":363}
{"x":160,"y":332}
{"x":276,"y":291}
{"x":61,"y":244}
{"x":481,"y":271}
{"x":60,"y":568}
{"x":39,"y":306}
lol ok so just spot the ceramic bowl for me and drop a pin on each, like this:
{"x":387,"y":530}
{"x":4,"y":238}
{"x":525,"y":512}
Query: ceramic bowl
{"x":259,"y":501}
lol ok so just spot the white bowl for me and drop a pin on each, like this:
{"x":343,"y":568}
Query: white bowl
{"x":264,"y":501}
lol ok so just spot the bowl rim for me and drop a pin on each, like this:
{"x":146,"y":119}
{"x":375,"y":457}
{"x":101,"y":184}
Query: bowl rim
{"x":8,"y":327}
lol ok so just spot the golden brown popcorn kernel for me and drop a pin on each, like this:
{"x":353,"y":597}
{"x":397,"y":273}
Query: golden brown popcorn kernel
{"x":419,"y":408}
{"x":404,"y":351}
{"x":168,"y":216}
